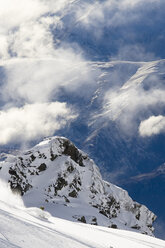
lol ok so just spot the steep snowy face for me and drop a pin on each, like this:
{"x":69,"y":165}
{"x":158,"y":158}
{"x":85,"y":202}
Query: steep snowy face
{"x":56,"y":175}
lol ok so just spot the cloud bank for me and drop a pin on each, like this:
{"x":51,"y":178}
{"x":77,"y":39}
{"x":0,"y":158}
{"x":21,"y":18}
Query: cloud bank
{"x":35,"y":68}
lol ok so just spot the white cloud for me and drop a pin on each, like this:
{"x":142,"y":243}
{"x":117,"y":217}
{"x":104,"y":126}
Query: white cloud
{"x":34,"y":69}
{"x":138,"y":97}
{"x":15,"y":12}
{"x":110,"y":12}
{"x":25,"y":27}
{"x":152,"y":126}
{"x":39,"y":80}
{"x":124,"y":24}
{"x":56,"y":5}
{"x":33,"y":121}
{"x":42,"y":66}
{"x":29,"y":36}
{"x":32,"y":40}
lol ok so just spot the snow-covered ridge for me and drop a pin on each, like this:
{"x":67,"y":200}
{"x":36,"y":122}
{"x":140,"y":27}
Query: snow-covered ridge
{"x":32,"y":227}
{"x":55,"y":174}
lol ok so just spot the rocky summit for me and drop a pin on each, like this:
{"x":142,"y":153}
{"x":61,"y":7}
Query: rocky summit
{"x":58,"y":177}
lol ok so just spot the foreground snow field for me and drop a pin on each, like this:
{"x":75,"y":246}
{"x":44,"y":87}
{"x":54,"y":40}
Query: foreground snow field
{"x":22,"y":227}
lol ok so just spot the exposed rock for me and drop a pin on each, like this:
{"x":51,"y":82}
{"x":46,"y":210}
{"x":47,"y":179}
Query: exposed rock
{"x":70,"y":169}
{"x":138,"y":216}
{"x":42,"y":167}
{"x":66,"y":199}
{"x":114,"y":226}
{"x":82,"y":219}
{"x":136,"y":227}
{"x":94,"y":221}
{"x":33,"y":157}
{"x":73,"y":152}
{"x":53,"y":156}
{"x":73,"y":194}
{"x":60,"y":183}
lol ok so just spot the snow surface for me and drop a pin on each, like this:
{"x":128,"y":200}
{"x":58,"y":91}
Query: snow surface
{"x":71,"y":187}
{"x":22,"y":227}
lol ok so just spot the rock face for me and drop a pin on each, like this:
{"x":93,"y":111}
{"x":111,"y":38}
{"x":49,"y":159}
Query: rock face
{"x":55,"y":174}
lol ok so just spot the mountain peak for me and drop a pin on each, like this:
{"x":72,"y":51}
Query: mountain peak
{"x":57,"y":175}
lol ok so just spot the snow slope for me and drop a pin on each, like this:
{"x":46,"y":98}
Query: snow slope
{"x":22,"y":227}
{"x":55,"y":174}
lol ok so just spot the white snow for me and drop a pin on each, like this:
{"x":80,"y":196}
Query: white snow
{"x":33,"y":227}
{"x":71,"y":190}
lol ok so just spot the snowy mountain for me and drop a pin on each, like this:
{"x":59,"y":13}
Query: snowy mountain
{"x":32,"y":227}
{"x":92,"y":71}
{"x":56,"y":175}
{"x":100,"y":129}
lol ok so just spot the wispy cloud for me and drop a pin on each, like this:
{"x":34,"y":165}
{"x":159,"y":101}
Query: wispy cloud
{"x":115,"y":13}
{"x":39,"y":57}
{"x":137,"y":98}
{"x":34,"y":70}
{"x":124,"y":24}
{"x":33,"y":80}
